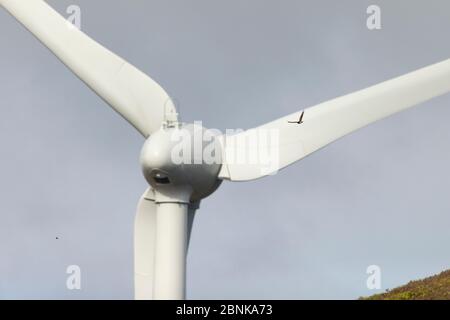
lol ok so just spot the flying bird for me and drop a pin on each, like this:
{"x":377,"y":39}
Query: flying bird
{"x":300,"y":120}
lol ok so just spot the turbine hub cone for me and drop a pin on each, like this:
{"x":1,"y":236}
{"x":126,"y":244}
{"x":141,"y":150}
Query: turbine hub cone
{"x":182,"y":161}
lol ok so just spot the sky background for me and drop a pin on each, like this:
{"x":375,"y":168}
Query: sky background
{"x":69,"y":166}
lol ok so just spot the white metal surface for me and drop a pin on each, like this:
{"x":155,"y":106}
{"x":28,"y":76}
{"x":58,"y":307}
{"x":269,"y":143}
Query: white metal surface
{"x":170,"y":251}
{"x":192,"y":209}
{"x":331,"y":120}
{"x":139,"y":99}
{"x":144,"y":246}
{"x":190,"y":181}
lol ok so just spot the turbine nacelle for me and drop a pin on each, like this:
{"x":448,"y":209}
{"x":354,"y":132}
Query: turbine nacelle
{"x":182,"y":162}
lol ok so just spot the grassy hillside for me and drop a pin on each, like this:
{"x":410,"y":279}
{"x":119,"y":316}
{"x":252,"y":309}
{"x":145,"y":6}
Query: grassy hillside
{"x":433,"y":288}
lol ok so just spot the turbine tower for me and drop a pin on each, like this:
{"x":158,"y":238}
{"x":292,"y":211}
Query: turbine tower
{"x":166,"y":210}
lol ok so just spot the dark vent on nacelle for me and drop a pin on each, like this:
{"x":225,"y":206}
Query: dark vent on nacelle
{"x":161,"y":178}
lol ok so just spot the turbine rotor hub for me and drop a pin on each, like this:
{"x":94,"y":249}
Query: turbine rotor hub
{"x":182,"y":162}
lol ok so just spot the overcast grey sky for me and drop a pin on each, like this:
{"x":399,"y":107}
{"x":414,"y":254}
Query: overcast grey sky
{"x":69,"y":165}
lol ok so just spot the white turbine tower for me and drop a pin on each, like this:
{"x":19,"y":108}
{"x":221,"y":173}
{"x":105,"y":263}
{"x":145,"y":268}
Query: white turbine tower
{"x":166,"y":210}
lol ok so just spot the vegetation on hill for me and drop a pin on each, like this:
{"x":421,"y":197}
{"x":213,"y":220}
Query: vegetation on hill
{"x":432,"y":288}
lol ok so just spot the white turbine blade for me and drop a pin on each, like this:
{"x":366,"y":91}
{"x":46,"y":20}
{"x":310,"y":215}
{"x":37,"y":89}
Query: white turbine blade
{"x":139,"y":99}
{"x":193,"y":207}
{"x":282,"y":142}
{"x":144,"y":246}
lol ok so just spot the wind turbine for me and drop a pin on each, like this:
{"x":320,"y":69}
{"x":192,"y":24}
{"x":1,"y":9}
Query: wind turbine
{"x":166,"y":210}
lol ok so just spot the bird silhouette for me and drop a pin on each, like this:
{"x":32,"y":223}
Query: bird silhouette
{"x":300,"y":121}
